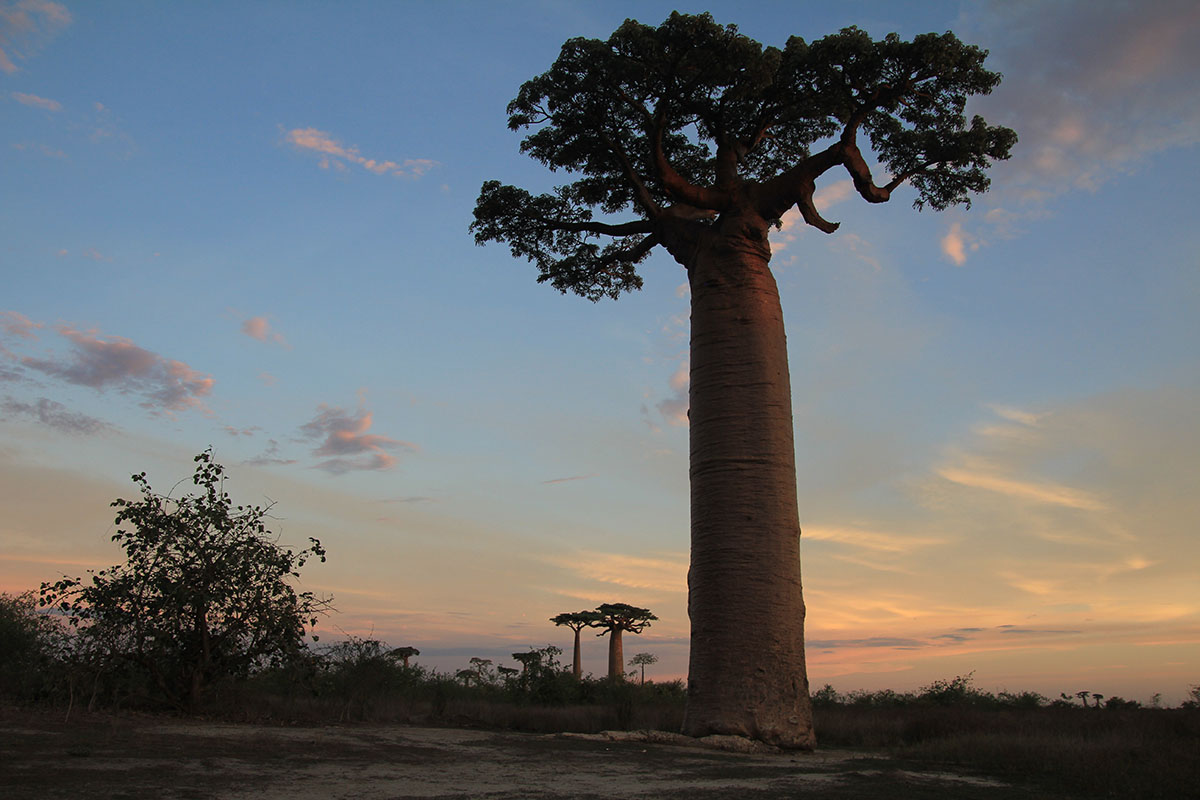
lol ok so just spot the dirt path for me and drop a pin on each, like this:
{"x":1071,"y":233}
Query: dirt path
{"x":145,"y":757}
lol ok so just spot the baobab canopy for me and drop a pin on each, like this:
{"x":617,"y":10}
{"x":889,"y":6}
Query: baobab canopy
{"x":669,"y":123}
{"x":696,"y":138}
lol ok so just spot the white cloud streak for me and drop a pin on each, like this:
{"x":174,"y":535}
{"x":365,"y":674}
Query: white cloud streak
{"x":336,"y":155}
{"x":34,"y":101}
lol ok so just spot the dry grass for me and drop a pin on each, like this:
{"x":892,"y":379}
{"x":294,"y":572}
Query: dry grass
{"x":1137,"y":753}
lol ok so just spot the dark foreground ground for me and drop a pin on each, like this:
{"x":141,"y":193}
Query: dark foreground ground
{"x":127,"y":756}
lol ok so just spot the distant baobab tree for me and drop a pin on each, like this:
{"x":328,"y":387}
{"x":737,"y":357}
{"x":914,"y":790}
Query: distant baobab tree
{"x":576,"y":621}
{"x":641,"y":660}
{"x":615,"y":618}
{"x":527,"y":660}
{"x":704,"y":140}
{"x":404,"y":654}
{"x":483,"y":669}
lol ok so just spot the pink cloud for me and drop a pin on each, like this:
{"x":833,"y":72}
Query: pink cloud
{"x":674,"y":408}
{"x":24,"y":25}
{"x":259,"y":328}
{"x":116,"y":362}
{"x":957,"y":242}
{"x":37,"y":102}
{"x":1119,"y":86}
{"x":335,"y":154}
{"x":347,"y":447}
{"x":18,"y":324}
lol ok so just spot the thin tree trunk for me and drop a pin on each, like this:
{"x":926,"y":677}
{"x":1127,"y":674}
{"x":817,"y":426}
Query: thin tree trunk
{"x":747,"y":673}
{"x":577,"y":664}
{"x":616,"y":655}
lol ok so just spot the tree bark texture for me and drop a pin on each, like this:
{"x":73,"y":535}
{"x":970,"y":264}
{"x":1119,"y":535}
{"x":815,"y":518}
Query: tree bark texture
{"x":616,"y":655}
{"x":577,"y":663}
{"x":747,"y":672}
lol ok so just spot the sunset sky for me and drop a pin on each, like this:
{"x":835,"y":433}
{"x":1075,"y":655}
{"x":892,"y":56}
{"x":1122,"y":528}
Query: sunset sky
{"x":244,"y":225}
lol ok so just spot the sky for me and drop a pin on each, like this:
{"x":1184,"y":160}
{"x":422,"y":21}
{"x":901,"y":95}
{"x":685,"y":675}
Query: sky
{"x":244,"y":226}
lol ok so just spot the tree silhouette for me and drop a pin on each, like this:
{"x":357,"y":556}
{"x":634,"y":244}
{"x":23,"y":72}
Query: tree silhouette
{"x":706,"y":139}
{"x":641,"y":660}
{"x":404,"y":654}
{"x":204,"y":592}
{"x":576,"y":621}
{"x":615,"y":618}
{"x":527,"y":660}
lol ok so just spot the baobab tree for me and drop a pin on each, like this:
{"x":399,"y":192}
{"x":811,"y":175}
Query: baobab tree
{"x":641,"y":660}
{"x":705,"y":139}
{"x":404,"y":654}
{"x":616,"y":618}
{"x":576,"y":621}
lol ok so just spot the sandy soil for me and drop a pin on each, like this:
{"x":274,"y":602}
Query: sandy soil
{"x":105,"y":756}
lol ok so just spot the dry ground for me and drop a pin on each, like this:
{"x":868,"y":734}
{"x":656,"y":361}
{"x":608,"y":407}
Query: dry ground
{"x":127,"y":756}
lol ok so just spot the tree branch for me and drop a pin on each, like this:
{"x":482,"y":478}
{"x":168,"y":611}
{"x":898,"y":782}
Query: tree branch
{"x":643,"y":195}
{"x":631,"y":254}
{"x":796,"y":187}
{"x":623,"y":229}
{"x":676,"y":185}
{"x":808,"y":209}
{"x":860,"y":173}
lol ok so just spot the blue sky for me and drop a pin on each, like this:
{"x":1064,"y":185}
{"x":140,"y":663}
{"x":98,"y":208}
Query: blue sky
{"x":245,"y":226}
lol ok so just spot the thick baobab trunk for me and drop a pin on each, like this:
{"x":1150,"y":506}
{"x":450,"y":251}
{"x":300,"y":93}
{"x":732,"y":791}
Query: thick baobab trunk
{"x":746,"y":675}
{"x":616,"y":655}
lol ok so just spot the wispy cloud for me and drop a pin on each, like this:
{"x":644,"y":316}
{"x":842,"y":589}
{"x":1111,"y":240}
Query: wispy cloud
{"x":667,"y":573}
{"x":269,"y":457}
{"x":674,"y":407}
{"x":24,"y":26}
{"x":869,"y":540}
{"x":235,"y":432}
{"x":55,"y":415}
{"x":37,"y":102}
{"x":1120,"y":85}
{"x":17,"y":324}
{"x":1041,"y":492}
{"x":44,"y":149}
{"x":889,"y":642}
{"x":346,"y":445}
{"x":409,"y":499}
{"x":572,"y":478}
{"x":106,"y":129}
{"x":115,"y":362}
{"x":1017,"y":415}
{"x":260,"y":328}
{"x":336,"y":155}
